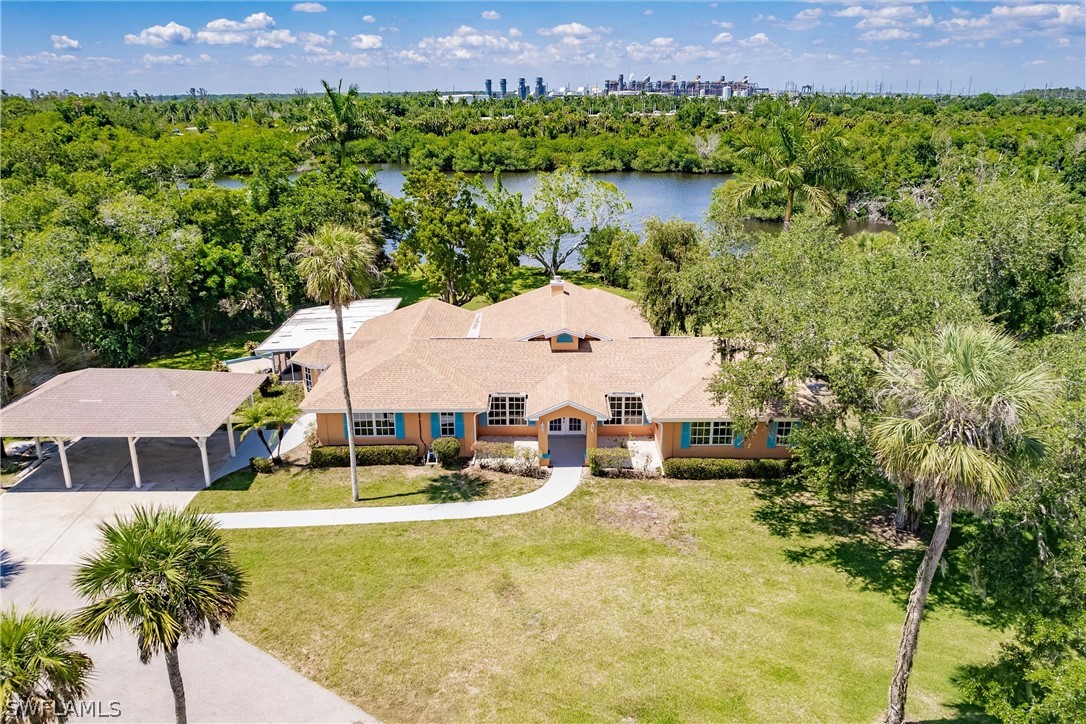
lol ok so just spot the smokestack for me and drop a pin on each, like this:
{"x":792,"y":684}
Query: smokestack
{"x":557,"y":286}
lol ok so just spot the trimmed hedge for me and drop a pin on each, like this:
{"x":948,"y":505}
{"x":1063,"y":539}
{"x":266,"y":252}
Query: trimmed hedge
{"x":723,"y":468}
{"x":447,"y":451}
{"x":601,"y":458}
{"x":338,"y":456}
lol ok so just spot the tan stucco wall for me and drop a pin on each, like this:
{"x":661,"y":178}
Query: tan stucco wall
{"x":416,"y":427}
{"x":625,"y":430}
{"x":669,"y":438}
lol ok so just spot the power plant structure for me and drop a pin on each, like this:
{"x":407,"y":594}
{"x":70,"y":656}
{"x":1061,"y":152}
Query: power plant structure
{"x":522,"y":88}
{"x":489,"y":88}
{"x":503,"y":88}
{"x":674,"y":87}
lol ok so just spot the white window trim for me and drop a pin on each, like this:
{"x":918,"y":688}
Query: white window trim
{"x":507,"y":419}
{"x":307,"y":375}
{"x":446,"y":419}
{"x":791,"y":429}
{"x":362,"y":418}
{"x":625,"y":398}
{"x":715,"y":438}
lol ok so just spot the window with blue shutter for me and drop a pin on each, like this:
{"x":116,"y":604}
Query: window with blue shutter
{"x":435,"y":425}
{"x":738,"y":440}
{"x":482,"y":420}
{"x":459,"y":430}
{"x":685,"y":442}
{"x":346,"y":427}
{"x":771,"y":441}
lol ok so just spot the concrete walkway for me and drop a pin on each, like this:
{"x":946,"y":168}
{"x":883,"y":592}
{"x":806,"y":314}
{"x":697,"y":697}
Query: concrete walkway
{"x":563,"y":481}
{"x":295,"y":434}
{"x":226,"y":679}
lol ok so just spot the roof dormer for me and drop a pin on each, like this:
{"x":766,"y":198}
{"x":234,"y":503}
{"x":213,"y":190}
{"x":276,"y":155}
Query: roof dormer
{"x":564,"y":340}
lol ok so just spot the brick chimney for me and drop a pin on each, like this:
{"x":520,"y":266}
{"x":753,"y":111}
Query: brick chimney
{"x":557,"y":286}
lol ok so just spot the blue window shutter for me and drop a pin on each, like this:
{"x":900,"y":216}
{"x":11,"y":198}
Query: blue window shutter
{"x":459,"y":425}
{"x":346,"y":427}
{"x":685,"y":442}
{"x":738,"y":441}
{"x":400,"y":434}
{"x":482,"y":419}
{"x":772,"y":441}
{"x":435,"y":425}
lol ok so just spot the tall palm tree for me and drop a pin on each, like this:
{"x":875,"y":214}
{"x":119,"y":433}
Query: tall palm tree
{"x":792,"y":156}
{"x":166,"y":575}
{"x":40,"y":671}
{"x":338,"y":266}
{"x":961,"y":413}
{"x":338,"y":119}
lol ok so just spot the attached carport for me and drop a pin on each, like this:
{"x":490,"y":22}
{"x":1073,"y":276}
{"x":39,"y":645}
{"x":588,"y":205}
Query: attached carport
{"x":131,"y":404}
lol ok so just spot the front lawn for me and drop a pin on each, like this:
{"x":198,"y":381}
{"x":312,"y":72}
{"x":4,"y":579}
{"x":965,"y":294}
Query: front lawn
{"x":628,"y":600}
{"x":293,"y":487}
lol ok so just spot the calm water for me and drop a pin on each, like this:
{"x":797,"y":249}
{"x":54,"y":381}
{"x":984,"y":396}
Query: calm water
{"x":682,"y":195}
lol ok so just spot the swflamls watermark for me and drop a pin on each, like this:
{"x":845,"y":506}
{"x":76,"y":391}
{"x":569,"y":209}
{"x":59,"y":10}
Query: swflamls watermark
{"x":42,"y":709}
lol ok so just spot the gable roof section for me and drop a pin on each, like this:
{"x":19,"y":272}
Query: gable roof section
{"x":577,"y":309}
{"x":138,"y":402}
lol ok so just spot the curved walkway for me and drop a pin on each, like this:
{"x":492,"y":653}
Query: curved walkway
{"x":563,"y":481}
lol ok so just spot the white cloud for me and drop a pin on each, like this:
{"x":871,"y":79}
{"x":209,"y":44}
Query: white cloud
{"x":722,"y":23}
{"x":467,"y":44}
{"x":260,"y":60}
{"x":1063,"y":42}
{"x":63,"y":42}
{"x":491,"y":15}
{"x":804,"y":20}
{"x":306,"y":8}
{"x":366,"y":42}
{"x":369,"y":19}
{"x":755,"y":40}
{"x":888,"y":34}
{"x":567,"y":29}
{"x":647,"y":12}
{"x":316,"y":39}
{"x":158,"y":36}
{"x":46,"y":58}
{"x":1037,"y":62}
{"x":1013,"y":21}
{"x":666,"y":49}
{"x":339,"y":58}
{"x":273,"y":39}
{"x":915,"y":61}
{"x":176,"y":59}
{"x":723,"y":38}
{"x":515,"y":33}
{"x":256,"y":30}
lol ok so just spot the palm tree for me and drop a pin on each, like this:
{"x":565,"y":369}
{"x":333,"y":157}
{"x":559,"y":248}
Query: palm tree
{"x":40,"y":673}
{"x":792,"y":156}
{"x":961,"y":412}
{"x":254,"y":418}
{"x":338,"y":266}
{"x":338,"y":119}
{"x":166,"y":575}
{"x":16,"y":325}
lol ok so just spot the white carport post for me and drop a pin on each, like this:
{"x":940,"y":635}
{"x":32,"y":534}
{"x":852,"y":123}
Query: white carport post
{"x":202,"y":442}
{"x":135,"y":460}
{"x":37,"y":448}
{"x":230,"y":434}
{"x":64,"y":463}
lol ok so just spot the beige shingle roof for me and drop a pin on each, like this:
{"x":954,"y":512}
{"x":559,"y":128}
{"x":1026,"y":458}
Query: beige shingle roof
{"x":129,"y":402}
{"x":577,"y":309}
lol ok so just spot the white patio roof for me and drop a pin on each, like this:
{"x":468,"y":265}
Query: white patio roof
{"x":319,"y":323}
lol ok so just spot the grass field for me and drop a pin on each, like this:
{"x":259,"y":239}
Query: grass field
{"x":293,"y":487}
{"x":203,"y":356}
{"x":629,"y":600}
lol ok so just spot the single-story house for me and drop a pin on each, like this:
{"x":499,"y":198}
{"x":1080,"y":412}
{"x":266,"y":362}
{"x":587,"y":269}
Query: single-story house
{"x":559,"y":360}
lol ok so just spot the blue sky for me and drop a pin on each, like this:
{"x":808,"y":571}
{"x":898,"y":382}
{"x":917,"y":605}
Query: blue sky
{"x":237,"y":47}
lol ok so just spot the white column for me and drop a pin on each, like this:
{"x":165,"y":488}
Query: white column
{"x":230,"y":435}
{"x":202,"y":442}
{"x":64,"y":463}
{"x":135,"y":460}
{"x":37,"y":448}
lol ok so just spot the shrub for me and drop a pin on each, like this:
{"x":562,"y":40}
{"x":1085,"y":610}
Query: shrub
{"x":485,"y":450}
{"x":219,"y":366}
{"x":602,"y":458}
{"x":723,"y":468}
{"x":261,"y":465}
{"x":338,"y":456}
{"x":250,"y":347}
{"x":447,"y":450}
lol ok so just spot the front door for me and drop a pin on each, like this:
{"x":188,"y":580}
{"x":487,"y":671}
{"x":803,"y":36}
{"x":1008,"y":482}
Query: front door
{"x":566,"y":426}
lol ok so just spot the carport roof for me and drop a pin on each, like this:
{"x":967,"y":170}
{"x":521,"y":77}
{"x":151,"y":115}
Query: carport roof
{"x":102,"y":402}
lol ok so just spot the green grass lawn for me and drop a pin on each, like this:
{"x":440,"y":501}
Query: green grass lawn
{"x":629,"y":600}
{"x":201,"y":357}
{"x":293,"y":487}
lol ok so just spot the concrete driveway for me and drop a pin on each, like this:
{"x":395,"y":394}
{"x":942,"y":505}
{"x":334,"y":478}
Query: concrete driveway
{"x":226,"y":679}
{"x":42,"y":522}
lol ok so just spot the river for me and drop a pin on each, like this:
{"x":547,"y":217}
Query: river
{"x":680,"y":195}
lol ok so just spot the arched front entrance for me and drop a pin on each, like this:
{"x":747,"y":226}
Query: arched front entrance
{"x":565,"y":434}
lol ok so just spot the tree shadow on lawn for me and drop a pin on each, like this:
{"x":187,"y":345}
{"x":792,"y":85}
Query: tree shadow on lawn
{"x":452,"y":487}
{"x":840,"y":535}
